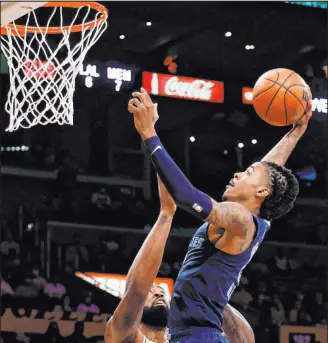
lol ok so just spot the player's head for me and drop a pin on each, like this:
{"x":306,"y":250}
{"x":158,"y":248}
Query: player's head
{"x":266,"y":185}
{"x":156,"y":308}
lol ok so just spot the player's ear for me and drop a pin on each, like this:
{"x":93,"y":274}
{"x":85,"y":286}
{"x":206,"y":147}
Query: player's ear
{"x":263,"y":192}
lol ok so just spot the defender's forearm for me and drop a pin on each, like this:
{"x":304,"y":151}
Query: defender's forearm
{"x":280,"y":153}
{"x":145,"y":267}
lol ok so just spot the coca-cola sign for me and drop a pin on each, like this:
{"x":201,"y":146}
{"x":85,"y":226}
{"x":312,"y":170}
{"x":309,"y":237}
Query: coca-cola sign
{"x":183,"y":87}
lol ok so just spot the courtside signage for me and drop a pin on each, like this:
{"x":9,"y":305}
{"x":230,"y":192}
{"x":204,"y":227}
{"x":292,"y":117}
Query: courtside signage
{"x":247,"y":95}
{"x":115,"y":284}
{"x":182,"y":87}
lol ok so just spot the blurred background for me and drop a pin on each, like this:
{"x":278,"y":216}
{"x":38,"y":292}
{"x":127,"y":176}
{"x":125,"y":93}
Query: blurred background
{"x":78,"y":201}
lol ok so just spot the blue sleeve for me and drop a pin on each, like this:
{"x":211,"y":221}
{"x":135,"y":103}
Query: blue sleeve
{"x":182,"y":191}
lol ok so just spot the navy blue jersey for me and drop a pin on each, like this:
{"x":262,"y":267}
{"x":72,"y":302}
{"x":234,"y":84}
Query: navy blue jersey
{"x":207,"y":279}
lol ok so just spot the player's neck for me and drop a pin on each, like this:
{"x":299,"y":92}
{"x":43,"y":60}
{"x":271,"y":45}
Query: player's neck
{"x":251,"y":206}
{"x":154,"y":333}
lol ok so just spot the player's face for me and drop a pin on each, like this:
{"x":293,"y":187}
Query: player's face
{"x":157,"y":297}
{"x":156,"y":308}
{"x":252,"y":183}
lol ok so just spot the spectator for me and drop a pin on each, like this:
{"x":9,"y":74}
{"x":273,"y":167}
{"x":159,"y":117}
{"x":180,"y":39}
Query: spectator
{"x":165,"y":269}
{"x":278,"y":313}
{"x":5,"y":287}
{"x":87,"y":305}
{"x":304,"y":318}
{"x":37,"y":279}
{"x":28,"y":289}
{"x":258,"y":266}
{"x":294,"y":312}
{"x":55,"y":289}
{"x":317,"y":309}
{"x":292,"y":260}
{"x":21,"y":337}
{"x":9,"y":244}
{"x":242,"y":296}
{"x":77,"y":336}
{"x":64,"y":306}
{"x":52,"y":335}
{"x":101,"y":199}
{"x":281,"y":260}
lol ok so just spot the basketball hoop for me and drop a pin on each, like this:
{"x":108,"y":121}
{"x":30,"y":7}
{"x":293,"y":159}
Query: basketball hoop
{"x":43,"y":68}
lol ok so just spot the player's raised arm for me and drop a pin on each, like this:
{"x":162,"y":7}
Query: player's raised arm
{"x":127,"y":316}
{"x":280,"y":153}
{"x":231,"y":216}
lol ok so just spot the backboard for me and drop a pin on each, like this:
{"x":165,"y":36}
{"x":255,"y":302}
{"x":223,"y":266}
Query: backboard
{"x":11,"y":10}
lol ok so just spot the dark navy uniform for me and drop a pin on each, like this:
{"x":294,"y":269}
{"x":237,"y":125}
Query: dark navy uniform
{"x":207,"y":279}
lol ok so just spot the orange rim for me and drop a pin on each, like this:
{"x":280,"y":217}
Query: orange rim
{"x":21,"y":30}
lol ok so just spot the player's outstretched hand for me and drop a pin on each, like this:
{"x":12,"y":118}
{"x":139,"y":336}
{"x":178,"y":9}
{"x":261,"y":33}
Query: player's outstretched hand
{"x":300,"y":125}
{"x":144,"y":112}
{"x":168,"y":206}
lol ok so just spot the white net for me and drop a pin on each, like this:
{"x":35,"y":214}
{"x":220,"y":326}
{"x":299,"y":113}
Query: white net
{"x":43,"y":66}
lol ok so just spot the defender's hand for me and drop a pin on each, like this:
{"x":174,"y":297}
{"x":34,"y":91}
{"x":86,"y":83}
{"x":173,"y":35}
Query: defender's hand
{"x":144,"y":112}
{"x":168,"y":206}
{"x":300,"y":126}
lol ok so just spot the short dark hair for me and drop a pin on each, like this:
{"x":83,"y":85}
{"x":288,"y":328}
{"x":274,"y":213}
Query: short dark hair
{"x":284,"y":190}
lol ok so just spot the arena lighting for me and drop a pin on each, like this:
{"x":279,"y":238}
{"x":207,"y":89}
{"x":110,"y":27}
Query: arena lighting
{"x":252,"y":47}
{"x":122,"y":36}
{"x":228,"y":34}
{"x":192,"y":139}
{"x":148,"y":23}
{"x":254,"y":141}
{"x":247,"y":47}
{"x":240,"y":145}
{"x":15,"y":148}
{"x":226,"y":152}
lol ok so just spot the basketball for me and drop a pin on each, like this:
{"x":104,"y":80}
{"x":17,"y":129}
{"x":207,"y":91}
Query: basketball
{"x":280,"y":97}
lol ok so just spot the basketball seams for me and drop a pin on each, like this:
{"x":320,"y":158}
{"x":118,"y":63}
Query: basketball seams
{"x":288,"y":90}
{"x":274,"y":82}
{"x":268,"y":109}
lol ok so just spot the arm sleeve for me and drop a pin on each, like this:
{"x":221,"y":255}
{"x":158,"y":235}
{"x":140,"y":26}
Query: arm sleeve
{"x":182,"y":191}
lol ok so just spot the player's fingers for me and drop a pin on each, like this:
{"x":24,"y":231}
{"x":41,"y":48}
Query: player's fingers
{"x":139,"y":96}
{"x":145,"y":94}
{"x":131,"y":108}
{"x":135,"y":102}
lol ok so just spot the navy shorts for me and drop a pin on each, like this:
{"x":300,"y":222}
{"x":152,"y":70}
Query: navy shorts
{"x":197,"y":335}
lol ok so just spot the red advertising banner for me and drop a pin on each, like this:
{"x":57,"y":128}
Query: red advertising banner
{"x":182,"y":87}
{"x":247,"y":95}
{"x":115,"y":283}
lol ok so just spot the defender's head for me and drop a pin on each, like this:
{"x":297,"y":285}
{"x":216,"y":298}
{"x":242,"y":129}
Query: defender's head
{"x":266,"y":185}
{"x":156,"y":310}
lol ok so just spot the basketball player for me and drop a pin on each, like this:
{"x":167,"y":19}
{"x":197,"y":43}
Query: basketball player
{"x":222,"y":247}
{"x":142,"y":314}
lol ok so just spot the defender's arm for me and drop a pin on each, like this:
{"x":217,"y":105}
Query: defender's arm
{"x":126,"y":318}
